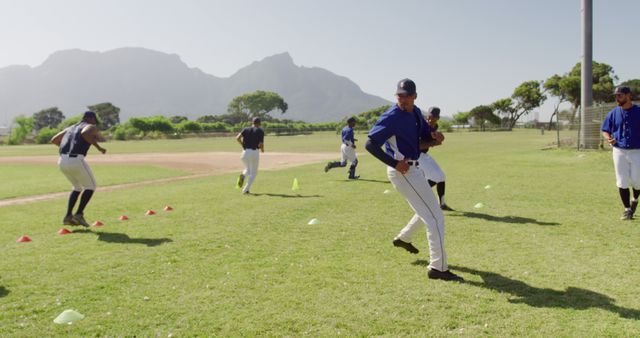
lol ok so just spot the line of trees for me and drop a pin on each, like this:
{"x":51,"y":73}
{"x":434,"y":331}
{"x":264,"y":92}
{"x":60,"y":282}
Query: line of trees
{"x":45,"y":123}
{"x":530,"y":95}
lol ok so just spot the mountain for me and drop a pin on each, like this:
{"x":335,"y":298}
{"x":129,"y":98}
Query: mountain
{"x":144,"y":82}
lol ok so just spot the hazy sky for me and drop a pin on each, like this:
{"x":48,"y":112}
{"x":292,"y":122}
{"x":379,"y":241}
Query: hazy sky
{"x":461,"y":53}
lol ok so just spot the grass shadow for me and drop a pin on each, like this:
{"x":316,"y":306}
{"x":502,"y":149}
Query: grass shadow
{"x":571,"y":298}
{"x":114,"y":237}
{"x":3,"y":291}
{"x":421,"y":262}
{"x":503,"y":219}
{"x":287,"y":195}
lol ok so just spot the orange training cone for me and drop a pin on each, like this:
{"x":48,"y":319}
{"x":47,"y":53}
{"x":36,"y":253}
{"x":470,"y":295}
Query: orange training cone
{"x":150,"y":212}
{"x":24,"y":238}
{"x":97,"y":224}
{"x":63,"y":231}
{"x":123,"y":218}
{"x":168,"y":208}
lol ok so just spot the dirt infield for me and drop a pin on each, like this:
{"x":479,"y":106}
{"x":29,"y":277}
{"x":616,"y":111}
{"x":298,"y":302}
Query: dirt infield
{"x":196,"y":164}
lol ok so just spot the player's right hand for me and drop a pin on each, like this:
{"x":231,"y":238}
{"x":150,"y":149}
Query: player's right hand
{"x":402,"y":166}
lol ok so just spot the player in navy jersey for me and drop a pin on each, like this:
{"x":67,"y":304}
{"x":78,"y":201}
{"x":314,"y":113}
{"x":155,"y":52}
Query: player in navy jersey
{"x":348,"y":150}
{"x":251,"y":139}
{"x":74,"y":143}
{"x":621,"y":129}
{"x":403,"y":131}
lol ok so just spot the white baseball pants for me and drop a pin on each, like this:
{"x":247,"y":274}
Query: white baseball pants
{"x":77,"y":172}
{"x":627,"y":165}
{"x":431,"y":168}
{"x":348,"y":154}
{"x":415,"y":189}
{"x":250,"y":158}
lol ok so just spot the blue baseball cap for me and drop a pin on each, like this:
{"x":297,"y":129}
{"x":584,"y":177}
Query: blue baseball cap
{"x":434,"y":112}
{"x":622,"y":90}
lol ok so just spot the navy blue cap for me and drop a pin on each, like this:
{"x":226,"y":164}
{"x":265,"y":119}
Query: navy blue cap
{"x":406,"y":86}
{"x":89,"y":114}
{"x":434,"y":111}
{"x":256,"y":120}
{"x":622,"y":90}
{"x":351,"y":120}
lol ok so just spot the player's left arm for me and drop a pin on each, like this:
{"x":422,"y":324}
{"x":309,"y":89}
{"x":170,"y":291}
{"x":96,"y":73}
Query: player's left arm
{"x":261,"y":144}
{"x":239,"y":138}
{"x":91,"y":134}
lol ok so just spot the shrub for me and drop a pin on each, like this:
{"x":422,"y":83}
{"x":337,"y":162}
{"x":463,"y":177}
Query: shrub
{"x":45,"y":134}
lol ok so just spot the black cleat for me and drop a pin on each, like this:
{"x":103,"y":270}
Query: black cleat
{"x":68,"y":220}
{"x":79,"y":219}
{"x":446,"y":207}
{"x":627,"y":215}
{"x":354,"y":177}
{"x":444,"y":275}
{"x":327,"y":167}
{"x":407,"y":246}
{"x":240,"y":181}
{"x":634,"y":206}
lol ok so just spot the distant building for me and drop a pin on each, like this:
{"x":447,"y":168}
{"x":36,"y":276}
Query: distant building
{"x":4,"y":130}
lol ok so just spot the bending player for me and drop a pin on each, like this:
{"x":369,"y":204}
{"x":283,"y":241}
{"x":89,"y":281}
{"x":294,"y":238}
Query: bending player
{"x":401,"y":129}
{"x":428,"y":164}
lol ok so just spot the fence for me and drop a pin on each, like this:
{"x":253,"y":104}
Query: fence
{"x":569,"y":134}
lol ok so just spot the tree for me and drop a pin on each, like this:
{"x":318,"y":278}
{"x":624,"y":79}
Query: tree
{"x":462,"y":117}
{"x":569,"y":85}
{"x":177,"y":119}
{"x":108,"y":114}
{"x":23,"y":126}
{"x":553,"y":85}
{"x":525,"y":98}
{"x":47,"y":118}
{"x":483,"y":114}
{"x":256,"y":104}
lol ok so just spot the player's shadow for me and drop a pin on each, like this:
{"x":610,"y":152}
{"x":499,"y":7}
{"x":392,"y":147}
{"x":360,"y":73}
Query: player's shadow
{"x":503,"y":219}
{"x":288,"y":195}
{"x":365,"y":180}
{"x":571,"y":298}
{"x":114,"y":237}
{"x":3,"y":291}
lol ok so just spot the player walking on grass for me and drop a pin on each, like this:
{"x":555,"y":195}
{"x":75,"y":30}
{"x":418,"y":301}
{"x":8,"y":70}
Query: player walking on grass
{"x":251,"y":139}
{"x":348,"y":150}
{"x":403,"y":131}
{"x":74,"y":143}
{"x":435,"y":175}
{"x":621,"y":129}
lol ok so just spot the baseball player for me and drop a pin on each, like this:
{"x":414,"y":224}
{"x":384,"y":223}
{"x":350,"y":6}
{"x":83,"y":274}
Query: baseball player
{"x":74,"y":142}
{"x":348,"y":149}
{"x":428,"y":164}
{"x":402,"y":129}
{"x":251,"y":139}
{"x":621,"y":129}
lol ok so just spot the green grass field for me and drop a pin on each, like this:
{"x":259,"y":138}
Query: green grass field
{"x":545,"y":256}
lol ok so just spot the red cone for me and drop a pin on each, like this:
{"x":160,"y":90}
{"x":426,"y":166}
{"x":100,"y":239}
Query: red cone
{"x":97,"y":224}
{"x":24,"y":238}
{"x":63,"y":231}
{"x":150,"y":212}
{"x":123,"y":218}
{"x":168,"y":208}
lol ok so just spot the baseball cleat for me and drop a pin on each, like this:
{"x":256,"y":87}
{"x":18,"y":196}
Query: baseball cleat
{"x":407,"y":246}
{"x":327,"y":167}
{"x":446,"y":207}
{"x":68,"y":220}
{"x":634,"y":206}
{"x":354,"y":177}
{"x":444,"y":275}
{"x":240,"y":182}
{"x":627,"y":215}
{"x":80,"y":220}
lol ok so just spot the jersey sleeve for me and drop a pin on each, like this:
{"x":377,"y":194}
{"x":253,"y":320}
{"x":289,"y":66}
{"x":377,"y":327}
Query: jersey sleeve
{"x":382,"y":130}
{"x":607,"y":123}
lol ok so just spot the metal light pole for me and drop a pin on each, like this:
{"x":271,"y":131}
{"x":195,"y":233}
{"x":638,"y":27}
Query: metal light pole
{"x":586,"y":98}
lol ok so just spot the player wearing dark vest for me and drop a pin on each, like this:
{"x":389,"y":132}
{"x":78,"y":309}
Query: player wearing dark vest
{"x":251,"y":139}
{"x":74,"y":143}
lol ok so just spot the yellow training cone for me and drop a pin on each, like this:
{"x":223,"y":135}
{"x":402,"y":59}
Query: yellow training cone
{"x":295,"y":185}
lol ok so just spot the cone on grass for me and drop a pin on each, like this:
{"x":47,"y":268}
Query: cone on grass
{"x":295,"y":185}
{"x":150,"y":212}
{"x":123,"y":218}
{"x":97,"y":224}
{"x":24,"y":238}
{"x":63,"y":231}
{"x":68,"y":317}
{"x":168,"y":208}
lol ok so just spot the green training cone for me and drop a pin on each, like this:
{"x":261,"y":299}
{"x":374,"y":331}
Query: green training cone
{"x":295,"y":185}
